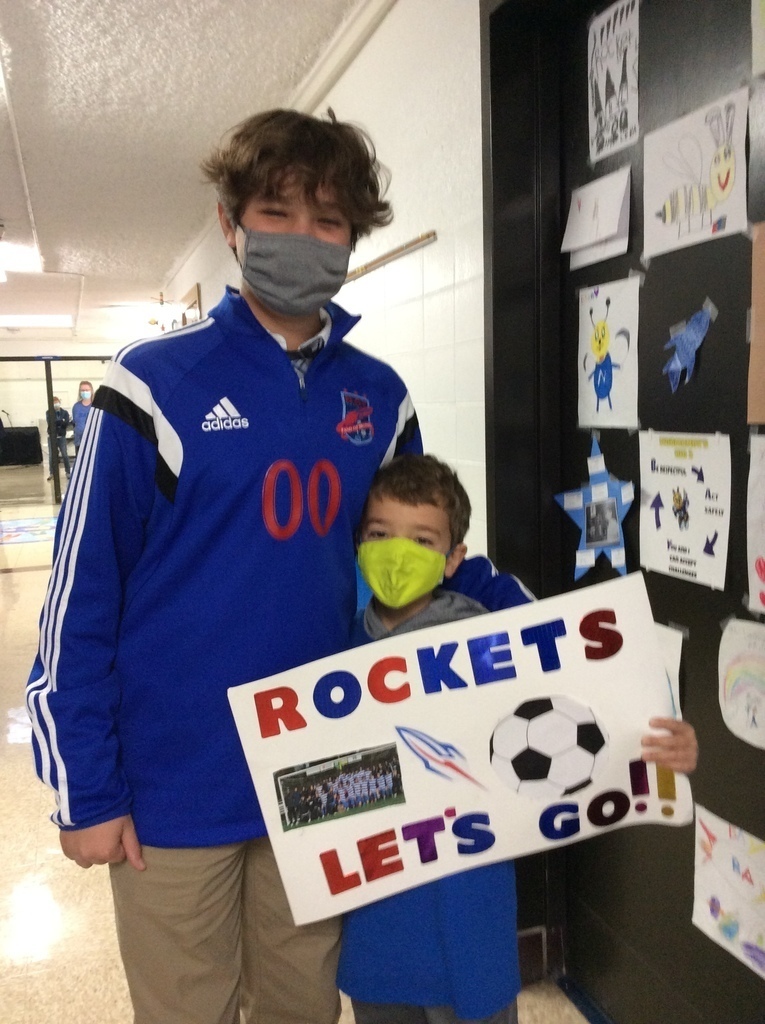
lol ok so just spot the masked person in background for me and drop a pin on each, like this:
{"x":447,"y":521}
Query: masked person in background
{"x":61,"y":423}
{"x":81,"y":411}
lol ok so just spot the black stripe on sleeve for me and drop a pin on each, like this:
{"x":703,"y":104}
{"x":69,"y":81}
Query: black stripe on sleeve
{"x":406,"y":435}
{"x":123,"y":408}
{"x":165,"y":479}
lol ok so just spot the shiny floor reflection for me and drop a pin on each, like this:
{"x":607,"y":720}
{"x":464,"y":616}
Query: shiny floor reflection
{"x":58,"y":949}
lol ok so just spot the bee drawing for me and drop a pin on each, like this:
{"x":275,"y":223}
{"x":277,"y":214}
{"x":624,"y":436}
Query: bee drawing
{"x":680,"y":503}
{"x":602,"y":376}
{"x":694,"y":202}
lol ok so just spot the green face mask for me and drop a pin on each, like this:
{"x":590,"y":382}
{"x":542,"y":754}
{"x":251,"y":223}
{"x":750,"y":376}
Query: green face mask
{"x":400,"y":571}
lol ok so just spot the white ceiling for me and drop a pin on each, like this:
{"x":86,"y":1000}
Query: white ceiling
{"x":109,"y":107}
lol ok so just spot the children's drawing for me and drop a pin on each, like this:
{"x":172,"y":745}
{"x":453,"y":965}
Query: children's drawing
{"x":613,"y":79}
{"x":729,"y":888}
{"x":598,"y":223}
{"x":755,"y":524}
{"x":686,"y":339}
{"x":598,"y":509}
{"x":603,"y":371}
{"x":741,"y":673}
{"x":685,"y":505}
{"x":694,"y":185}
{"x":608,"y":379}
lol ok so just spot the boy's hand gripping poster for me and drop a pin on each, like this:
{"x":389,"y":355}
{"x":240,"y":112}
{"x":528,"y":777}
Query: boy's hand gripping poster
{"x":446,"y":749}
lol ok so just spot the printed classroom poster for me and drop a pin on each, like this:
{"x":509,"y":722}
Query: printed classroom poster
{"x":729,"y":889}
{"x":755,"y":524}
{"x":613,"y":79}
{"x":694,"y":177}
{"x":450,"y":748}
{"x":741,"y":672}
{"x":608,"y":369}
{"x":685,"y":505}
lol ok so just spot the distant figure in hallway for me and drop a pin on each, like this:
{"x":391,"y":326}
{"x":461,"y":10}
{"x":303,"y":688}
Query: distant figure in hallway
{"x":62,"y":422}
{"x":80,"y":411}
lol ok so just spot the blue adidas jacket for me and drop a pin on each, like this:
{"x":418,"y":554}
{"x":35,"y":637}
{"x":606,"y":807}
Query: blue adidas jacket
{"x":207,"y":539}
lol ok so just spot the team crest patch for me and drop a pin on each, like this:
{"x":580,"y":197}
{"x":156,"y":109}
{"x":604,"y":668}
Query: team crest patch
{"x":356,"y":424}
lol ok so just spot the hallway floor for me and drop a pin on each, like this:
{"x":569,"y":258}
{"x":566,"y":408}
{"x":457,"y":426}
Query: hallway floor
{"x":58,"y":950}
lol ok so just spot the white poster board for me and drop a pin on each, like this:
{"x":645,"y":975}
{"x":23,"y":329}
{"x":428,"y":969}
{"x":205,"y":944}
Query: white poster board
{"x":484,"y":739}
{"x":612,"y":62}
{"x":608,"y":364}
{"x":685,"y":505}
{"x":694,"y":176}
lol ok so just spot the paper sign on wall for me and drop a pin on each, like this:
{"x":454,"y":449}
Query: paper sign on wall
{"x":741,"y":673}
{"x":728,"y":903}
{"x":671,"y":646}
{"x":598,"y":220}
{"x":613,"y":79}
{"x":685,"y":505}
{"x":449,"y":748}
{"x":694,"y":177}
{"x":608,"y":366}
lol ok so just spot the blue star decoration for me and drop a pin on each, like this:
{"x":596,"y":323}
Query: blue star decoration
{"x":598,"y":509}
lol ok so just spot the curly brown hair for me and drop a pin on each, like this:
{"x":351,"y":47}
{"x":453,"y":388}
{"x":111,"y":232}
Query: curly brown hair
{"x":265,"y":149}
{"x":424,"y":480}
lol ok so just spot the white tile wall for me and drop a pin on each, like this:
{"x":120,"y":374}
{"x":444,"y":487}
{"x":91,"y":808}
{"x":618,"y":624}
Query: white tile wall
{"x":416,"y":89}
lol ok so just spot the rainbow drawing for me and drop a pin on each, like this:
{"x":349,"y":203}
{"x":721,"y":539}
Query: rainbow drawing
{"x":743,"y":690}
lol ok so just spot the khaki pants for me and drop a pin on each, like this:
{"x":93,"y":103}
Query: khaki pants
{"x":208,"y":930}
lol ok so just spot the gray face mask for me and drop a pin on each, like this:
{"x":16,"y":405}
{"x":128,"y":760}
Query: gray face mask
{"x":293,"y":274}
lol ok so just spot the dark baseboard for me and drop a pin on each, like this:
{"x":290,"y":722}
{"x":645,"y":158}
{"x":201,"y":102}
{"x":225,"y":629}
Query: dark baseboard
{"x":582,"y":1001}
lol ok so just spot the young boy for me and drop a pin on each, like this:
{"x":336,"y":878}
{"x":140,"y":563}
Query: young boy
{"x":445,"y":952}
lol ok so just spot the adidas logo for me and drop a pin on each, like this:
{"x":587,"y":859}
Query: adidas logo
{"x":224,"y":416}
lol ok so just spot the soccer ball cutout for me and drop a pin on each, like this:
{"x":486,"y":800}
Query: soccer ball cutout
{"x":549,"y":747}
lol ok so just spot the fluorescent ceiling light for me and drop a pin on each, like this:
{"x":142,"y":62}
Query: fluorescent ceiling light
{"x":20,"y":259}
{"x":36,"y":320}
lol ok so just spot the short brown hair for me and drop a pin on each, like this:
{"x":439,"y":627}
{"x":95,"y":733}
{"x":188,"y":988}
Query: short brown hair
{"x":268,"y":147}
{"x":424,"y":480}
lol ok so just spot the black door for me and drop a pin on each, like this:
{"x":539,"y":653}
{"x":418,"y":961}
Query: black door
{"x":628,"y":895}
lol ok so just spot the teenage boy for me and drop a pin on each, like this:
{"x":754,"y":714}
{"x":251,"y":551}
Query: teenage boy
{"x":207,"y":540}
{"x":445,"y":952}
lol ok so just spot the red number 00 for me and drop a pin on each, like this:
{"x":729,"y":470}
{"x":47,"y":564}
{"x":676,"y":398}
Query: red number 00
{"x":322,"y":525}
